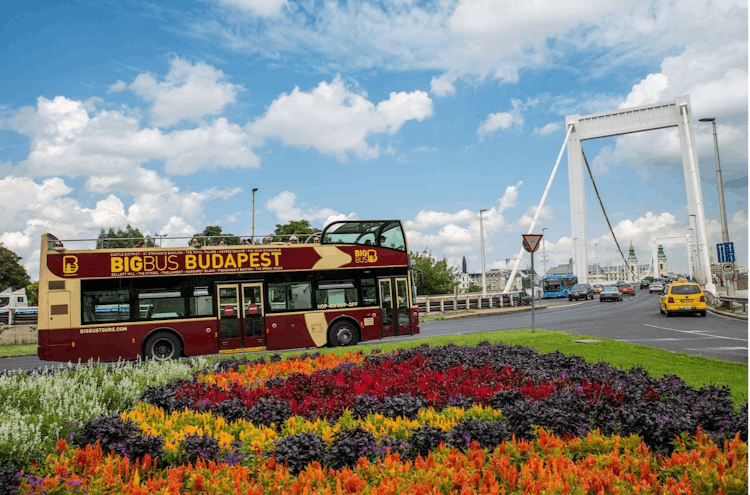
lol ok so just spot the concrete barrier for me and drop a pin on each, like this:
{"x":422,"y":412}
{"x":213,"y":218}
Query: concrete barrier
{"x":18,"y":334}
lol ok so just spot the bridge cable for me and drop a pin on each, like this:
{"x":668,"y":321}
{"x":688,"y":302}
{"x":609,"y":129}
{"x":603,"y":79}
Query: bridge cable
{"x":605,"y":212}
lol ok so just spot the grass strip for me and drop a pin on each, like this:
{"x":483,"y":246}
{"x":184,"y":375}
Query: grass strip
{"x":13,"y":350}
{"x":697,"y":371}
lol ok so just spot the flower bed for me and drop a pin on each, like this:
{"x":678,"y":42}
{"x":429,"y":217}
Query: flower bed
{"x":483,"y":419}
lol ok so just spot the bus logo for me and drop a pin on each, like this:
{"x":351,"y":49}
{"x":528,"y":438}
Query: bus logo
{"x":70,"y":264}
{"x":365,"y":256}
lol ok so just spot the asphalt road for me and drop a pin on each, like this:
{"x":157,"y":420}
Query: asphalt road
{"x":636,"y":319}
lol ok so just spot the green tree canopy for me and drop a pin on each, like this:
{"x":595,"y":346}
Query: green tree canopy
{"x":12,"y":274}
{"x":439,"y":278}
{"x":120,"y":239}
{"x":474,"y":288}
{"x":301,"y":228}
{"x":212,"y":234}
{"x":32,"y":293}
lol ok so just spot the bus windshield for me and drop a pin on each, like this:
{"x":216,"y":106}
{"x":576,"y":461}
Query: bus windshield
{"x":4,"y":301}
{"x":388,"y":234}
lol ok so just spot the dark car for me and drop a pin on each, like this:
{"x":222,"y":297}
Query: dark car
{"x":645,"y":284}
{"x":581,"y":291}
{"x":610,"y":293}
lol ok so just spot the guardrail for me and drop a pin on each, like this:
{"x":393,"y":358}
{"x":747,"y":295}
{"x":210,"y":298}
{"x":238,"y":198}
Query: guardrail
{"x":718,"y":300}
{"x":451,"y":302}
{"x":19,"y":316}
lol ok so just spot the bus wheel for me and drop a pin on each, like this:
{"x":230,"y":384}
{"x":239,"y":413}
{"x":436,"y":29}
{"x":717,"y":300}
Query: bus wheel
{"x":162,"y":347}
{"x":342,"y":333}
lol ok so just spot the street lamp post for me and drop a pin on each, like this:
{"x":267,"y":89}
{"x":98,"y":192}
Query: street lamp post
{"x":544,"y":255}
{"x":481,"y":237}
{"x":160,"y":236}
{"x":722,"y":206}
{"x":252,"y":241}
{"x":596,"y":260}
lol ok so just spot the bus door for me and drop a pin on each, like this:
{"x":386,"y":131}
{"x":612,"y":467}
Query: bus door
{"x":241,"y":316}
{"x":394,"y":306}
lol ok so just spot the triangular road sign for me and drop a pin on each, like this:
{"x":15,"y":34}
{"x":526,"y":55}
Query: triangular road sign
{"x":531,"y":242}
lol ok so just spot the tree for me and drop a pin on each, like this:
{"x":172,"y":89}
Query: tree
{"x":122,"y":239}
{"x":32,"y":293}
{"x":301,"y":228}
{"x":12,"y":274}
{"x":212,"y":234}
{"x":474,"y":288}
{"x":438,"y":277}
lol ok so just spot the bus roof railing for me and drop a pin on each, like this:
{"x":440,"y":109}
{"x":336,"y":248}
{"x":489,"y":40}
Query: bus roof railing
{"x":159,"y":241}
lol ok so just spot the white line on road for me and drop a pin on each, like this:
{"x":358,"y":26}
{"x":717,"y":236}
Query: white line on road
{"x":697,"y":332}
{"x":706,"y":349}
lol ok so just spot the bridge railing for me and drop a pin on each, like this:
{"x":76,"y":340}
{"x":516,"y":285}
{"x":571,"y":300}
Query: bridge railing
{"x":720,"y":299}
{"x":463,"y":302}
{"x":19,"y":316}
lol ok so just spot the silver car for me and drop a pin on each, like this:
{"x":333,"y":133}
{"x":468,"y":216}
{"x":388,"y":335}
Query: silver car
{"x":655,"y":287}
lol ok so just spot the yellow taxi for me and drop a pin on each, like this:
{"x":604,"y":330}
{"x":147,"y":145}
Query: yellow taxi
{"x":682,"y":297}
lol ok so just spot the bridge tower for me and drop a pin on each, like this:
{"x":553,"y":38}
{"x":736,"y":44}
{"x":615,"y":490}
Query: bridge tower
{"x":676,"y":113}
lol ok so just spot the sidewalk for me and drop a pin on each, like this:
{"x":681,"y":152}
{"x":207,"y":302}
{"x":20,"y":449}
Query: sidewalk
{"x":475,"y":313}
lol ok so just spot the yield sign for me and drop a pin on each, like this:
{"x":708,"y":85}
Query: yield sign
{"x":531,"y":242}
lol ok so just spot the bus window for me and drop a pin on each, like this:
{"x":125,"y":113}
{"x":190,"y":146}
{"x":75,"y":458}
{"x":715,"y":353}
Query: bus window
{"x":161,"y":304}
{"x":200,"y":302}
{"x":336,"y":294}
{"x":289,"y":296}
{"x":106,"y":306}
{"x":369,"y":292}
{"x":392,"y":237}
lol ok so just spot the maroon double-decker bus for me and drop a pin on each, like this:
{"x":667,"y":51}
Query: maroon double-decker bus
{"x":355,"y":285}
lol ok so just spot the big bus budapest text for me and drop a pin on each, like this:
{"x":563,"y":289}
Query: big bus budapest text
{"x":355,"y":285}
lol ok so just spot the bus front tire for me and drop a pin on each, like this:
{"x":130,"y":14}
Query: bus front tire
{"x":163,"y":346}
{"x":342,"y":333}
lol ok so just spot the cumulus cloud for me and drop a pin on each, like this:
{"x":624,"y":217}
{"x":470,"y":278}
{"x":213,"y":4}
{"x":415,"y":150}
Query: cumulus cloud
{"x":548,"y":129}
{"x":336,"y":121}
{"x":502,"y":120}
{"x":188,"y":92}
{"x":31,"y":208}
{"x":66,"y":139}
{"x":284,"y":206}
{"x":443,"y":85}
{"x":261,"y":8}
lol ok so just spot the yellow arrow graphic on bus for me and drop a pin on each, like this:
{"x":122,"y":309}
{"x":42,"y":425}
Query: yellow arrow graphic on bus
{"x":331,"y":257}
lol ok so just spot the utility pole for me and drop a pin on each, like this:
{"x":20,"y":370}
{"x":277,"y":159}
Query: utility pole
{"x":573,"y":263}
{"x":544,"y":254}
{"x":481,"y":236}
{"x":252,"y":241}
{"x":596,"y":260}
{"x":722,"y":206}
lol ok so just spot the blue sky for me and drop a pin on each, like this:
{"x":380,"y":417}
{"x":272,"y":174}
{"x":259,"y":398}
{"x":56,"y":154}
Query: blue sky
{"x":166,"y":115}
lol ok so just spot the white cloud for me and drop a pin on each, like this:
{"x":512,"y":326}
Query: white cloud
{"x":64,"y":138}
{"x":188,"y":92}
{"x":284,"y":206}
{"x":548,"y":129}
{"x":503,"y":120}
{"x":261,"y":8}
{"x":427,"y":218}
{"x":336,"y":121}
{"x":118,"y":87}
{"x":510,"y":198}
{"x":443,"y":85}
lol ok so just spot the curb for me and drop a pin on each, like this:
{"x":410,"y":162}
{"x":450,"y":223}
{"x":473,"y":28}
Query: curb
{"x":726,"y":313}
{"x":487,"y":313}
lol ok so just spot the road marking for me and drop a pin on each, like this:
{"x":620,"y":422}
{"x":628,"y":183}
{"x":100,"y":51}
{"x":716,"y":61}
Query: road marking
{"x":665,"y":339}
{"x":705,"y":349}
{"x":697,"y":332}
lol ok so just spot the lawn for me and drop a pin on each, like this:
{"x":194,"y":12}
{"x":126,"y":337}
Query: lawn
{"x":13,"y":350}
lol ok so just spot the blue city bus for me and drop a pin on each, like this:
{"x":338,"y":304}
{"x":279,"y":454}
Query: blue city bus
{"x":558,"y":285}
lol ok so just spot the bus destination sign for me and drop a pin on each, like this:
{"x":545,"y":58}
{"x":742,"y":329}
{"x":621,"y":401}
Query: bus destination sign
{"x":133,"y":263}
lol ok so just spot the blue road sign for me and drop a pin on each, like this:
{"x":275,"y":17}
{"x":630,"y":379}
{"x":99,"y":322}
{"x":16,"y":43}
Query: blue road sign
{"x":726,"y":252}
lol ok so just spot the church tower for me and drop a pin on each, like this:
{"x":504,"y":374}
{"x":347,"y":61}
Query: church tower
{"x":661,"y":259}
{"x":633,"y":264}
{"x":463,"y":265}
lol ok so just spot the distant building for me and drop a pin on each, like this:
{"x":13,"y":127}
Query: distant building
{"x":564,"y":269}
{"x":661,"y":260}
{"x":633,"y":271}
